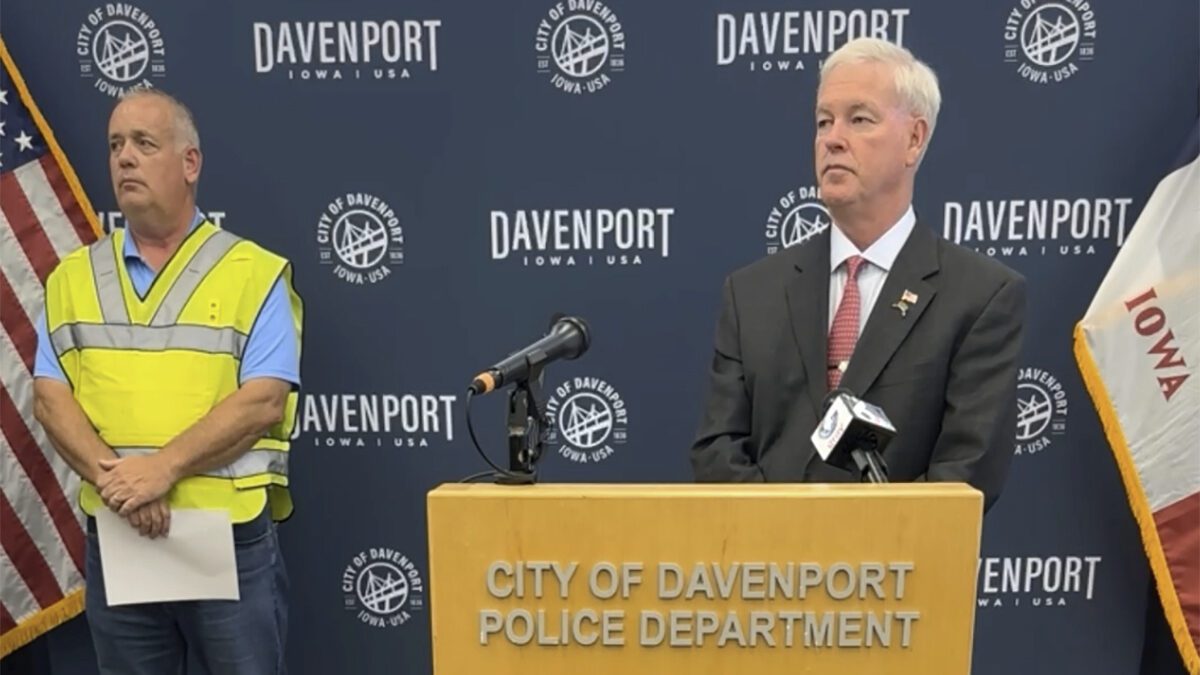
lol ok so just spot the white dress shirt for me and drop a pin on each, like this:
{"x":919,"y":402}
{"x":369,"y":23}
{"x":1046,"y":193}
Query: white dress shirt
{"x":879,"y":258}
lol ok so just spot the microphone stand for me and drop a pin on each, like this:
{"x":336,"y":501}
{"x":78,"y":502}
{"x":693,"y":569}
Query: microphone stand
{"x":527,"y":427}
{"x":870,"y":465}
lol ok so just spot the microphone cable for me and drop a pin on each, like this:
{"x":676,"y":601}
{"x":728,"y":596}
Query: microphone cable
{"x":496,"y":470}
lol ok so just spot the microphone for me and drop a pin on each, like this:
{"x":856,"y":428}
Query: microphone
{"x":852,"y":434}
{"x":569,"y":337}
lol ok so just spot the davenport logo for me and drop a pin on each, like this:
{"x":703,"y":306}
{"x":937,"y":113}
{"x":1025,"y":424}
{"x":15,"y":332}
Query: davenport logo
{"x":383,"y":587}
{"x":1047,"y":39}
{"x":589,"y":420}
{"x":1038,"y":227}
{"x":572,"y":237}
{"x":360,"y":235}
{"x":1041,"y":410}
{"x":346,"y":50}
{"x":787,"y":41}
{"x":375,"y":420}
{"x":580,"y":43}
{"x":797,"y":217}
{"x":120,"y":47}
{"x":1036,"y":581}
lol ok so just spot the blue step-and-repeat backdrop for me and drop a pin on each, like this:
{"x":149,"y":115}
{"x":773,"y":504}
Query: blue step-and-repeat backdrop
{"x":427,"y":166}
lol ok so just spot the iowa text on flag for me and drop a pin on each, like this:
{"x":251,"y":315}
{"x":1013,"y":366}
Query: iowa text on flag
{"x":44,"y":215}
{"x":1138,"y":346}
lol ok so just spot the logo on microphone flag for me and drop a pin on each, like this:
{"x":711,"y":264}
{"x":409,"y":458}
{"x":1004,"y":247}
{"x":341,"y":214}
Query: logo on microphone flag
{"x":832,"y":426}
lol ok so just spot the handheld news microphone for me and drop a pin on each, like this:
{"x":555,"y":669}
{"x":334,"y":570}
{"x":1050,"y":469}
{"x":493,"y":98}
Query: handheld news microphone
{"x":852,"y":434}
{"x":569,"y":337}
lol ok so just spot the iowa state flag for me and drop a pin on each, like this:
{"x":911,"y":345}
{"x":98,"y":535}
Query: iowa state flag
{"x":1137,"y":347}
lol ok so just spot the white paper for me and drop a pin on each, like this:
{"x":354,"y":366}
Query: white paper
{"x":195,"y":561}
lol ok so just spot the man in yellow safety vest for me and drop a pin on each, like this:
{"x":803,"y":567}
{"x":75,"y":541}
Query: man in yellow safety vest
{"x":167,"y":377}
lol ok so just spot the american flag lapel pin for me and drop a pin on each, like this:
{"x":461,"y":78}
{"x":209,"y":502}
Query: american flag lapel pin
{"x":907,"y":299}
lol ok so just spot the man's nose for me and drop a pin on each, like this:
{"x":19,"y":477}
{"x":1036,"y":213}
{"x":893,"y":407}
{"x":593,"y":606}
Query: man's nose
{"x":833,"y":143}
{"x":833,"y":140}
{"x":126,"y":157}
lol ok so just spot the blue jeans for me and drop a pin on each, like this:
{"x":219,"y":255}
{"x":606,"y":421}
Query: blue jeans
{"x":217,"y":636}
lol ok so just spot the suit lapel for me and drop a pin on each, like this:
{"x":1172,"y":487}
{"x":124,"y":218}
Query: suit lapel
{"x":808,"y":305}
{"x":887,"y":326}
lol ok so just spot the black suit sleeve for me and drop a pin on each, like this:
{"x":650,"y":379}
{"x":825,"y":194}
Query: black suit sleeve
{"x":723,"y":450}
{"x":975,"y":445}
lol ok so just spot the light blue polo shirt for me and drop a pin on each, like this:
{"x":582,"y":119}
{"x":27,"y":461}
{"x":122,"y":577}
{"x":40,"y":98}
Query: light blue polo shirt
{"x":271,"y":349}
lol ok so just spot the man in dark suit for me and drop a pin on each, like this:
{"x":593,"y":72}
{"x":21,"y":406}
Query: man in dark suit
{"x":877,"y":304}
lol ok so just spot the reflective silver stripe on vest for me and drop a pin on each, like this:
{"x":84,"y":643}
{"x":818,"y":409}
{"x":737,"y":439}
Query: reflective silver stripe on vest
{"x":202,"y":262}
{"x":254,"y":462}
{"x":108,"y":283}
{"x":148,"y":338}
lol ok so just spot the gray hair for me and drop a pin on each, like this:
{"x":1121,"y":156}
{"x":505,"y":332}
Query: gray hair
{"x":185,"y":125}
{"x":916,"y":83}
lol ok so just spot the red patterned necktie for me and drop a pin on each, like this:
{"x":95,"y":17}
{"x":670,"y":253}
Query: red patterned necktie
{"x":844,"y":332}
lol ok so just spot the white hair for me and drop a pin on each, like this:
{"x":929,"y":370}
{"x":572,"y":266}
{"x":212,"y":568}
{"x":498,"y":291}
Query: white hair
{"x":916,"y":83}
{"x":185,"y":125}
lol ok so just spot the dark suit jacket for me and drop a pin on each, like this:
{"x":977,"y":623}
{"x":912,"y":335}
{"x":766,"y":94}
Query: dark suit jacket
{"x":946,"y":374}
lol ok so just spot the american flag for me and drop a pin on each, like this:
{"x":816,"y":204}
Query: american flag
{"x":44,"y":215}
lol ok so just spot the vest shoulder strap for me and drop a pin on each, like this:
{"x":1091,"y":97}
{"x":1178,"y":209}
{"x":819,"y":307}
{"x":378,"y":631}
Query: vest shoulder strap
{"x":206,"y":258}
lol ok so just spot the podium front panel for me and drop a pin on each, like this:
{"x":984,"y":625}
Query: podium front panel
{"x":630,"y":579}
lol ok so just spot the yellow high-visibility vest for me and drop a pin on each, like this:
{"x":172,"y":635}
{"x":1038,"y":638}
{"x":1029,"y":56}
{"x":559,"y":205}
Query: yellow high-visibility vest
{"x":146,"y":369}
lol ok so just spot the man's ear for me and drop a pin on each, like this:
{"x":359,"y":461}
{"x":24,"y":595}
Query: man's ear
{"x":918,"y":138}
{"x":192,"y":162}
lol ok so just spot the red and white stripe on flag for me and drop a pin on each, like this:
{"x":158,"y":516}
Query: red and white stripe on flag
{"x":44,"y":215}
{"x":1138,"y":347}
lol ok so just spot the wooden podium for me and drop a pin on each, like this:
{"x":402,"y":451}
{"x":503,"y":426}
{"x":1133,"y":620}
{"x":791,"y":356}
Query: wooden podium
{"x":728,"y":579}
